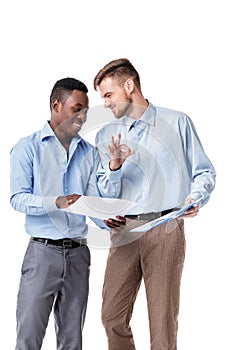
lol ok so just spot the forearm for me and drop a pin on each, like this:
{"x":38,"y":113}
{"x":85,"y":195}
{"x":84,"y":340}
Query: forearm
{"x":202,"y":171}
{"x":202,"y":186}
{"x":33,"y":205}
{"x":109,"y":183}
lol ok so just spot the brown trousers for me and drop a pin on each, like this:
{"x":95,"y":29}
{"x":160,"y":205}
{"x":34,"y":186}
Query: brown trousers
{"x":156,"y":256}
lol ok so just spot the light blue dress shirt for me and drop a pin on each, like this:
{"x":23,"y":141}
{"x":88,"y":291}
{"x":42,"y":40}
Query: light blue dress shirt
{"x":41,"y":170}
{"x":168,"y":165}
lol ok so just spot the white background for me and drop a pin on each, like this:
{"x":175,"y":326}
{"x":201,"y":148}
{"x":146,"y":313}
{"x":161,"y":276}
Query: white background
{"x":183,"y":52}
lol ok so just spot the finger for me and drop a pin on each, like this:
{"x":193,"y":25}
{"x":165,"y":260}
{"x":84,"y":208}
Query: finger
{"x":72,"y":198}
{"x":118,"y":224}
{"x":71,"y":201}
{"x":194,"y":209}
{"x":118,"y":140}
{"x":190,"y":215}
{"x":109,"y":224}
{"x":191,"y":212}
{"x":76,"y":198}
{"x":115,"y":223}
{"x":126,"y":149}
{"x":110,"y":148}
{"x":121,"y":218}
{"x":112,"y":142}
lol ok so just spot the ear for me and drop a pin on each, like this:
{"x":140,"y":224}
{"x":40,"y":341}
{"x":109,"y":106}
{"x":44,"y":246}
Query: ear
{"x":55,"y":106}
{"x":129,"y":86}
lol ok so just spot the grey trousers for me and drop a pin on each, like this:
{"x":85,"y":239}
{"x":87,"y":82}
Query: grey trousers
{"x":58,"y":279}
{"x":157,"y":257}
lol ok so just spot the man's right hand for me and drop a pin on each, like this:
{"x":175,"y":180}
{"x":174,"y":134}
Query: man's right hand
{"x":118,"y":153}
{"x":66,"y":201}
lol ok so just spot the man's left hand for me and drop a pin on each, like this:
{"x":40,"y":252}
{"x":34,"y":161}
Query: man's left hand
{"x":192,"y":211}
{"x":119,"y":222}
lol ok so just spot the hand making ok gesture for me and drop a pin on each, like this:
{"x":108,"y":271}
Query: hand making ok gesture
{"x":118,"y":152}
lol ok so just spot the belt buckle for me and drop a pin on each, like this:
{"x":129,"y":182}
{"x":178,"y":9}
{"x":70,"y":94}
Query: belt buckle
{"x":67,"y":243}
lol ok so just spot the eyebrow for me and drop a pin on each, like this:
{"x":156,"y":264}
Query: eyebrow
{"x":106,"y":93}
{"x":81,"y":105}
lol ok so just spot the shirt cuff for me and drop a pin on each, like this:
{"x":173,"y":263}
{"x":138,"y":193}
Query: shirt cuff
{"x":196,"y":196}
{"x":114,"y":175}
{"x":50,"y":204}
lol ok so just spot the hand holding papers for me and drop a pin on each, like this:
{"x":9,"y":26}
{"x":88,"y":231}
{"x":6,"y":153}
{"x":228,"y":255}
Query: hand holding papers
{"x":101,"y":208}
{"x":163,"y":219}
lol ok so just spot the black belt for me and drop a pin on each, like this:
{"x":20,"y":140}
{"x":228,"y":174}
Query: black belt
{"x":64,"y":243}
{"x":150,"y":216}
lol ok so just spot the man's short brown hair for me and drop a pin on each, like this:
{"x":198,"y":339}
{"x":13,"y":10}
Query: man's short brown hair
{"x":120,"y":70}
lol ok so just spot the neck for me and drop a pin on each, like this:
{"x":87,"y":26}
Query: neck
{"x":64,"y":139}
{"x":137,"y":108}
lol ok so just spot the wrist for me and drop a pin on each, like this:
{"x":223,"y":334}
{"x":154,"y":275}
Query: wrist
{"x":114,"y":168}
{"x":58,"y":202}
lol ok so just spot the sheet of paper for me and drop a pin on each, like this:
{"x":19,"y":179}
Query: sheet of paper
{"x":165,"y":218}
{"x":101,"y":208}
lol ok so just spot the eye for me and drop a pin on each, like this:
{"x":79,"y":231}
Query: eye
{"x":84,"y":111}
{"x":81,"y":110}
{"x":76,"y":110}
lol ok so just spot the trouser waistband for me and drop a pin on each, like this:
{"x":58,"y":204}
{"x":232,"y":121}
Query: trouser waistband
{"x":63,"y":243}
{"x":150,"y":216}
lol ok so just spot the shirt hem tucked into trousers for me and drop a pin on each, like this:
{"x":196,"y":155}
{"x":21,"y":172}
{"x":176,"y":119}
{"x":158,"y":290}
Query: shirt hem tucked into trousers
{"x":157,"y":257}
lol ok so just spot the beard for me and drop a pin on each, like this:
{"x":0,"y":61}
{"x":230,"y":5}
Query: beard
{"x":123,"y":108}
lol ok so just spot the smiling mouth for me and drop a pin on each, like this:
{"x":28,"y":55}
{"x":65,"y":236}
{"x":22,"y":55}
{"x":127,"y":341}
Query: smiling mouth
{"x":78,"y":123}
{"x":114,"y":109}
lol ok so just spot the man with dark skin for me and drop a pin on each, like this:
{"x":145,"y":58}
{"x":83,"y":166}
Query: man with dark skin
{"x":50,"y":169}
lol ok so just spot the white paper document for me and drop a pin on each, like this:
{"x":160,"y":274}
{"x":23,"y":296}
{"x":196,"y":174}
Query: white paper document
{"x":165,"y":218}
{"x":101,"y":208}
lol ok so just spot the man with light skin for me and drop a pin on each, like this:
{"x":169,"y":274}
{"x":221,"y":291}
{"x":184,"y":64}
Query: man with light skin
{"x":152,"y":156}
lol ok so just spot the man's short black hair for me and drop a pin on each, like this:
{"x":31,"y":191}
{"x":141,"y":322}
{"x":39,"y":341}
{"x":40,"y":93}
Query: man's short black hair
{"x":63,"y":88}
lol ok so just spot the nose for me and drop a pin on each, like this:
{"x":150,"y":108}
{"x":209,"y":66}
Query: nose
{"x":107,"y":103}
{"x":82,"y":115}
